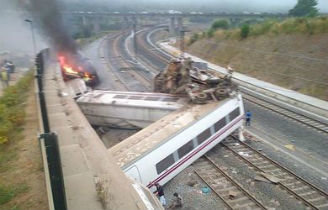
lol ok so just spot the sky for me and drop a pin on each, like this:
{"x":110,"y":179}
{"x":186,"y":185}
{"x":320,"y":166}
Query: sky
{"x":241,"y":5}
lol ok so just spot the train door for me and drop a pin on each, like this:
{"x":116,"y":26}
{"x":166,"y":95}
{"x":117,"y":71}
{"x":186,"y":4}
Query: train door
{"x":134,"y":174}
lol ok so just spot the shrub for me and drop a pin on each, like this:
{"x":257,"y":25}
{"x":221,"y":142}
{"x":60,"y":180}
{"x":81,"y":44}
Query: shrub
{"x":244,"y":31}
{"x":16,"y":116}
{"x":210,"y":33}
{"x":12,"y":112}
{"x":193,"y":38}
{"x":220,"y":24}
{"x":6,"y":128}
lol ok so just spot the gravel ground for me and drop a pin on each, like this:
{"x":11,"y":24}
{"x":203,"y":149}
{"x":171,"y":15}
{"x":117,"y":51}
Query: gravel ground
{"x":113,"y":136}
{"x":192,"y":196}
{"x":269,"y":194}
{"x":308,"y":154}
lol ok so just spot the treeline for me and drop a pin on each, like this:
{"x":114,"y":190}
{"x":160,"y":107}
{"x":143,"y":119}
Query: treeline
{"x":303,"y":25}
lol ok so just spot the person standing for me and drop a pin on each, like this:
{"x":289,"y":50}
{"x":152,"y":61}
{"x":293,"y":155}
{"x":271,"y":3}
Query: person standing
{"x":4,"y":77}
{"x":160,"y":193}
{"x":248,"y":118}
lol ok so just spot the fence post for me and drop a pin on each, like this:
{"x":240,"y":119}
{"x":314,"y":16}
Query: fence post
{"x":55,"y":170}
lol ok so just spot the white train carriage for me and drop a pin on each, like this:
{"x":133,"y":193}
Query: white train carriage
{"x":163,"y":149}
{"x":127,"y":109}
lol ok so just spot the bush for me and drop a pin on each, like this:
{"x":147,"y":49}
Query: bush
{"x":244,"y":31}
{"x":220,"y":24}
{"x":193,"y":38}
{"x":263,"y":28}
{"x":210,"y":33}
{"x":12,"y":112}
{"x":6,"y":128}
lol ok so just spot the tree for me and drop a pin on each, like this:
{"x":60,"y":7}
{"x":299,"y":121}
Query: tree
{"x":244,"y":31}
{"x":224,"y":24}
{"x":305,"y":8}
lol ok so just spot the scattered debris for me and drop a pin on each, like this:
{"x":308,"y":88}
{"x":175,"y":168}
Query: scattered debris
{"x":102,"y":189}
{"x":270,"y":177}
{"x":290,"y":147}
{"x":183,"y":78}
{"x":206,"y":190}
{"x":234,"y":171}
{"x":232,"y":194}
{"x":244,"y":154}
{"x":261,"y":179}
{"x":191,"y":183}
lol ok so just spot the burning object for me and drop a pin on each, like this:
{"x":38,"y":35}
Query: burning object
{"x":73,"y":67}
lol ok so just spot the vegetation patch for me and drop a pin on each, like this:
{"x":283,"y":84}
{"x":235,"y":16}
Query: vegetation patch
{"x":12,"y":108}
{"x":9,"y":192}
{"x":270,"y":27}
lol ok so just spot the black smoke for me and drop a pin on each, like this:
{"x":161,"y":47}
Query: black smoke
{"x":46,"y":15}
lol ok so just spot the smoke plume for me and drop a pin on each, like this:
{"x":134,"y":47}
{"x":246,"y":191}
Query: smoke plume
{"x":46,"y":13}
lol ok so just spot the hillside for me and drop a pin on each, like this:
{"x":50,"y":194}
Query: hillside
{"x":292,"y":54}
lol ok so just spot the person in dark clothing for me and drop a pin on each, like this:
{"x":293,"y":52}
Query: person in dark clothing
{"x":248,"y":118}
{"x":160,"y":193}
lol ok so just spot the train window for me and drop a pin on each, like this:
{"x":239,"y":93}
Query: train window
{"x":204,"y":135}
{"x":170,"y":99}
{"x":120,"y":96}
{"x":220,"y":124}
{"x":164,"y":164}
{"x":136,"y":97}
{"x":150,"y":98}
{"x":182,"y":151}
{"x":234,"y":114}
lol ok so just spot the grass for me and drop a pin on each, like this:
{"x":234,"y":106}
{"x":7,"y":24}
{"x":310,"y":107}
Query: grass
{"x":12,"y":104}
{"x":9,"y":192}
{"x":304,"y":25}
{"x":12,"y":115}
{"x":287,"y":53}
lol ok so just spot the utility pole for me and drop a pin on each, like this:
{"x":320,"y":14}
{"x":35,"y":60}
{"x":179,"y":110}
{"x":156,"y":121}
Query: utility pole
{"x":182,"y":39}
{"x":135,"y":37}
{"x":33,"y":37}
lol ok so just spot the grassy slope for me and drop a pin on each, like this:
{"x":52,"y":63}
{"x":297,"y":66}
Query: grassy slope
{"x":289,"y":54}
{"x":22,"y":184}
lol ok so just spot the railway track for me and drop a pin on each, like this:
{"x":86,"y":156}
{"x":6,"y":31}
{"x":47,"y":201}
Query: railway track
{"x":315,"y":124}
{"x":222,"y":185}
{"x":123,"y":71}
{"x":309,"y":122}
{"x":310,"y":195}
{"x":103,"y":55}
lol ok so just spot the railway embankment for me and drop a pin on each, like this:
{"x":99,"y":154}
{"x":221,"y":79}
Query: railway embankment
{"x":22,"y":182}
{"x":291,"y":53}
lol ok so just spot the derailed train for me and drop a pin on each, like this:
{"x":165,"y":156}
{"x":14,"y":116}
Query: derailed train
{"x":178,"y":140}
{"x":160,"y":151}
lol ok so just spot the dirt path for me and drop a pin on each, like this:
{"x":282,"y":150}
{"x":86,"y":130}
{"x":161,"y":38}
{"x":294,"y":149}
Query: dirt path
{"x":25,"y":170}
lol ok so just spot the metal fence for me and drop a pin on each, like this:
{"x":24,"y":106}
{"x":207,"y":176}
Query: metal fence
{"x":50,"y":141}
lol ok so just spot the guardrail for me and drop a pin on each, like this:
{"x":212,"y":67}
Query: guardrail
{"x":49,"y":144}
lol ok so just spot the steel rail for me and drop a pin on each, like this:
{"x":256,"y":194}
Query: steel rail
{"x":284,"y":169}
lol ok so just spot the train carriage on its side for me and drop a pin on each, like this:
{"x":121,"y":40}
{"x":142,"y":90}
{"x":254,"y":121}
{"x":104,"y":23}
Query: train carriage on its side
{"x":163,"y":149}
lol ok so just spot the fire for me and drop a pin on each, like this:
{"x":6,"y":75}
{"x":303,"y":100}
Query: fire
{"x":66,"y":67}
{"x":69,"y":71}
